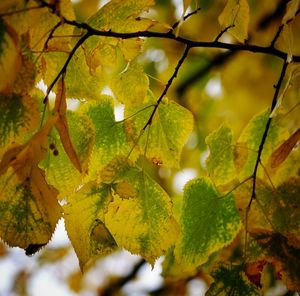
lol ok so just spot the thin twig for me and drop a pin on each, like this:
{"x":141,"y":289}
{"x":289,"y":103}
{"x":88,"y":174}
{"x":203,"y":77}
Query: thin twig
{"x":265,"y":134}
{"x":64,"y":68}
{"x":223,"y":32}
{"x":175,"y":25}
{"x":280,"y":28}
{"x":260,"y":150}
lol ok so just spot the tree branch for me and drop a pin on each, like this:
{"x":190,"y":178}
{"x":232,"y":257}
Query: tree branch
{"x":265,"y":134}
{"x":64,"y":68}
{"x":169,"y":83}
{"x":113,"y":288}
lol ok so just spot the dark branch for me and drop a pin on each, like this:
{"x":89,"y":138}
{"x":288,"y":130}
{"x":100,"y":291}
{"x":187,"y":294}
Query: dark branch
{"x":280,"y":28}
{"x":64,"y":68}
{"x":223,"y":32}
{"x":265,"y":134}
{"x":113,"y":288}
{"x":185,"y":18}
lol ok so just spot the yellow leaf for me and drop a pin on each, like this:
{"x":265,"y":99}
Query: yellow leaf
{"x":283,"y":151}
{"x":29,"y":209}
{"x":84,"y":217}
{"x":291,"y":9}
{"x":29,"y":154}
{"x":10,"y":58}
{"x":62,"y":124}
{"x":236,"y":16}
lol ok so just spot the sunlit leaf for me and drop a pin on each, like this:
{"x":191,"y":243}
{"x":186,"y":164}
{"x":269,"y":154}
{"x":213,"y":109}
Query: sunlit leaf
{"x":10,"y":57}
{"x":111,"y":139}
{"x":39,"y":34}
{"x":84,"y":219}
{"x":291,"y":9}
{"x":235,"y":16}
{"x":220,"y":163}
{"x":250,"y":139}
{"x":162,"y":140}
{"x":119,"y":16}
{"x":122,"y":16}
{"x":140,"y":216}
{"x":131,"y":86}
{"x":60,"y":172}
{"x":29,"y":218}
{"x":62,"y":124}
{"x":18,"y":115}
{"x":208,"y":223}
{"x":283,"y":151}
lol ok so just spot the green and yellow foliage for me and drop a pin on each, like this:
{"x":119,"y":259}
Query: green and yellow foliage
{"x":222,"y":80}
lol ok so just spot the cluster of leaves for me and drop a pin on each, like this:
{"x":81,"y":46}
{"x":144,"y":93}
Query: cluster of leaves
{"x":97,"y":173}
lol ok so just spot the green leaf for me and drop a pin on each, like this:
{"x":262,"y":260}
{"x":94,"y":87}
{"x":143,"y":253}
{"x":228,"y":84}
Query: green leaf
{"x":28,"y":208}
{"x":220,"y":163}
{"x":18,"y":115}
{"x":84,"y":219}
{"x":163,"y":140}
{"x":231,"y":281}
{"x":60,"y":172}
{"x":236,"y":15}
{"x":140,"y":215}
{"x":111,"y":138}
{"x":282,"y":207}
{"x":208,"y":223}
{"x":131,"y":86}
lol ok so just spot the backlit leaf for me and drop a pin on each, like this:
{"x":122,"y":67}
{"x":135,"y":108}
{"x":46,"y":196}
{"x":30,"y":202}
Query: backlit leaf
{"x":236,"y":16}
{"x":220,"y":163}
{"x":18,"y":115}
{"x":119,"y":16}
{"x":60,"y":172}
{"x":291,"y":8}
{"x":10,"y":57}
{"x":131,"y":86}
{"x":29,"y":209}
{"x":62,"y":124}
{"x":111,"y":139}
{"x":163,"y":140}
{"x":208,"y":223}
{"x":140,"y":215}
{"x":250,"y":139}
{"x":84,"y":219}
{"x":122,"y":16}
{"x":283,"y":151}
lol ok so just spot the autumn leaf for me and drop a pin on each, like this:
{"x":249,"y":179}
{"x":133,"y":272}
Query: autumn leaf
{"x":140,"y":214}
{"x":283,"y":151}
{"x":208,"y":223}
{"x":62,"y":125}
{"x":220,"y":163}
{"x":88,"y":234}
{"x":235,"y":17}
{"x":163,"y":139}
{"x":30,"y":219}
{"x":10,"y":57}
